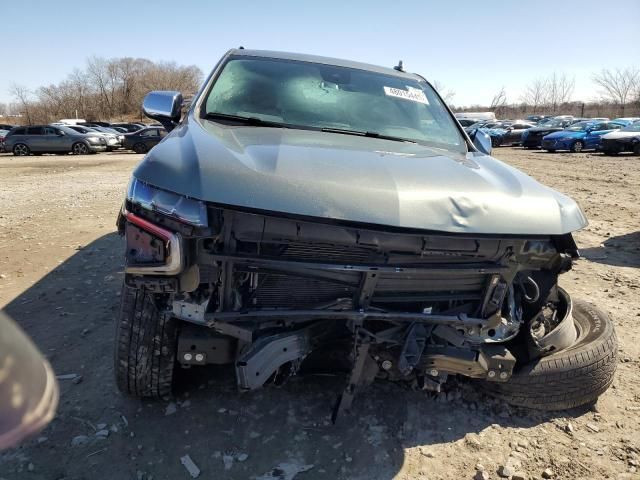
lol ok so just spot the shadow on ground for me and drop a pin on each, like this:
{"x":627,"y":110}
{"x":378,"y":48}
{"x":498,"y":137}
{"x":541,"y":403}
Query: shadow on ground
{"x":69,"y":313}
{"x":620,"y":251}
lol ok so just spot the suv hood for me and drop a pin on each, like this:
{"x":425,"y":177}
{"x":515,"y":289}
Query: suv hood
{"x":357,"y":179}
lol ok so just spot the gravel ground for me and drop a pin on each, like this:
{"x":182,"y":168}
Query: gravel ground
{"x":60,"y":276}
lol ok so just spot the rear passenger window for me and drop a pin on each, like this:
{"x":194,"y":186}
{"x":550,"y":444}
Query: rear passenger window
{"x":35,"y":131}
{"x":19,"y":131}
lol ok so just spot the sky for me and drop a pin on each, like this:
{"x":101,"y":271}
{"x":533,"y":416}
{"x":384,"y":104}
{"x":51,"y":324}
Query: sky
{"x":471,"y":47}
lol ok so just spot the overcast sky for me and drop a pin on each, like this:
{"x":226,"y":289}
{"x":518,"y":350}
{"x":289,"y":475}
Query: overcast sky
{"x":471,"y":47}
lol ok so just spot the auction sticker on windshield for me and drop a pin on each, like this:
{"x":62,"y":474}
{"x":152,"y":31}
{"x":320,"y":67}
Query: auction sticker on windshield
{"x":413,"y":94}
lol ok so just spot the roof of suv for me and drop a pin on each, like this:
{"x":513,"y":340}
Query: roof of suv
{"x":301,"y":57}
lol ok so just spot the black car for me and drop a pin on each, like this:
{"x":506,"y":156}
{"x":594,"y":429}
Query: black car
{"x":95,"y":124}
{"x":4,"y":126}
{"x":532,"y":138}
{"x":129,"y":127}
{"x":508,"y":133}
{"x":626,"y":139}
{"x":144,"y":140}
{"x":466,"y":122}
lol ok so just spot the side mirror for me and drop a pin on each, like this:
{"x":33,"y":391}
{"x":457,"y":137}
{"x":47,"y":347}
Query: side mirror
{"x":481,"y":141}
{"x":60,"y":133}
{"x":163,"y":106}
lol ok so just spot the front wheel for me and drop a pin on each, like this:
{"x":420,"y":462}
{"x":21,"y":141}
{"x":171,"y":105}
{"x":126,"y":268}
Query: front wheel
{"x":577,"y":146}
{"x":575,"y":376}
{"x":145,"y":349}
{"x":80,"y":149}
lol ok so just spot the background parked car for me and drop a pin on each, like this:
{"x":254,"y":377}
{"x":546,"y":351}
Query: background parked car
{"x":39,"y":139}
{"x":95,"y":124}
{"x":144,"y":140}
{"x":509,"y":133}
{"x":4,"y":126}
{"x":536,"y":118}
{"x":114,"y":140}
{"x":626,"y":139}
{"x":532,"y":138}
{"x":626,"y":120}
{"x":579,"y":136}
{"x":129,"y":127}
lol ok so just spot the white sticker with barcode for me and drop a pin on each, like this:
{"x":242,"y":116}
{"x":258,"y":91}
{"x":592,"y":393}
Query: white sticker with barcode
{"x":412,"y":94}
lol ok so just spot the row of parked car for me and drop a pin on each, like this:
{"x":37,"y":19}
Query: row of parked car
{"x":79,"y":138}
{"x":565,"y":132}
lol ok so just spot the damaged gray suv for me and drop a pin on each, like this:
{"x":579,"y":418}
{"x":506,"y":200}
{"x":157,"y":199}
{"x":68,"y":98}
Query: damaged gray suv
{"x":309,"y":212}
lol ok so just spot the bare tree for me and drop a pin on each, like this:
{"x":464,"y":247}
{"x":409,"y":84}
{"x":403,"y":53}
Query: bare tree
{"x":559,"y":90}
{"x":535,"y":94}
{"x":499,"y":101}
{"x":4,"y":108}
{"x":446,"y":94}
{"x":618,"y":86}
{"x":23,"y":96}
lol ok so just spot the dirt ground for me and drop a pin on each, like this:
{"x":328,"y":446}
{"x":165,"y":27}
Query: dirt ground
{"x":60,"y":276}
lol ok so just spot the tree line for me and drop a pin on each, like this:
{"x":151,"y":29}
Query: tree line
{"x":113,"y":89}
{"x":105,"y":89}
{"x":617,"y":95}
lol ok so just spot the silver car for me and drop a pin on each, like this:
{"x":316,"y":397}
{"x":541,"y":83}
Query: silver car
{"x":309,"y":213}
{"x":114,"y":140}
{"x":39,"y":139}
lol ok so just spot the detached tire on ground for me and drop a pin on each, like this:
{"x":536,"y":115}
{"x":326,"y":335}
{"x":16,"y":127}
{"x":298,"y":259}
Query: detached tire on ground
{"x":145,"y":351}
{"x":575,"y":376}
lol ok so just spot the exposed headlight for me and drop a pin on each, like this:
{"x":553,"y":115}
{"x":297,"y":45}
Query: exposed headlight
{"x":188,"y":210}
{"x":93,"y":139}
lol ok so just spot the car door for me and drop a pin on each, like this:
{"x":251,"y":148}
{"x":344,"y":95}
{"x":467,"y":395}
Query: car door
{"x":592,"y":138}
{"x":151,"y":137}
{"x":53,"y":140}
{"x":34,"y":139}
{"x":515,"y":134}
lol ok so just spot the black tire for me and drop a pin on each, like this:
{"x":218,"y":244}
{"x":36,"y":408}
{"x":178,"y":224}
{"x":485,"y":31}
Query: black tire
{"x":140,"y":148}
{"x":79,"y":148}
{"x":577,"y":146}
{"x":551,"y":150}
{"x":145,"y":349}
{"x":575,"y":376}
{"x":21,"y":150}
{"x":636,"y":148}
{"x":496,"y":141}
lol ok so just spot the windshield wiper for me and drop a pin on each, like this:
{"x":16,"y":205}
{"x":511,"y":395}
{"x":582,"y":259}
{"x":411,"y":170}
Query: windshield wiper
{"x":253,"y":121}
{"x":360,"y":133}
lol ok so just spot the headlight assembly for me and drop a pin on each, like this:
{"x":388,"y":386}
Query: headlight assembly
{"x":187,"y":210}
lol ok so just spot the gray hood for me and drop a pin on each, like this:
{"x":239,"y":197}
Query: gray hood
{"x":357,"y":179}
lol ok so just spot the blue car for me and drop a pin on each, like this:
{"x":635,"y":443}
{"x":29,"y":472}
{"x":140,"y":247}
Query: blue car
{"x":579,"y":136}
